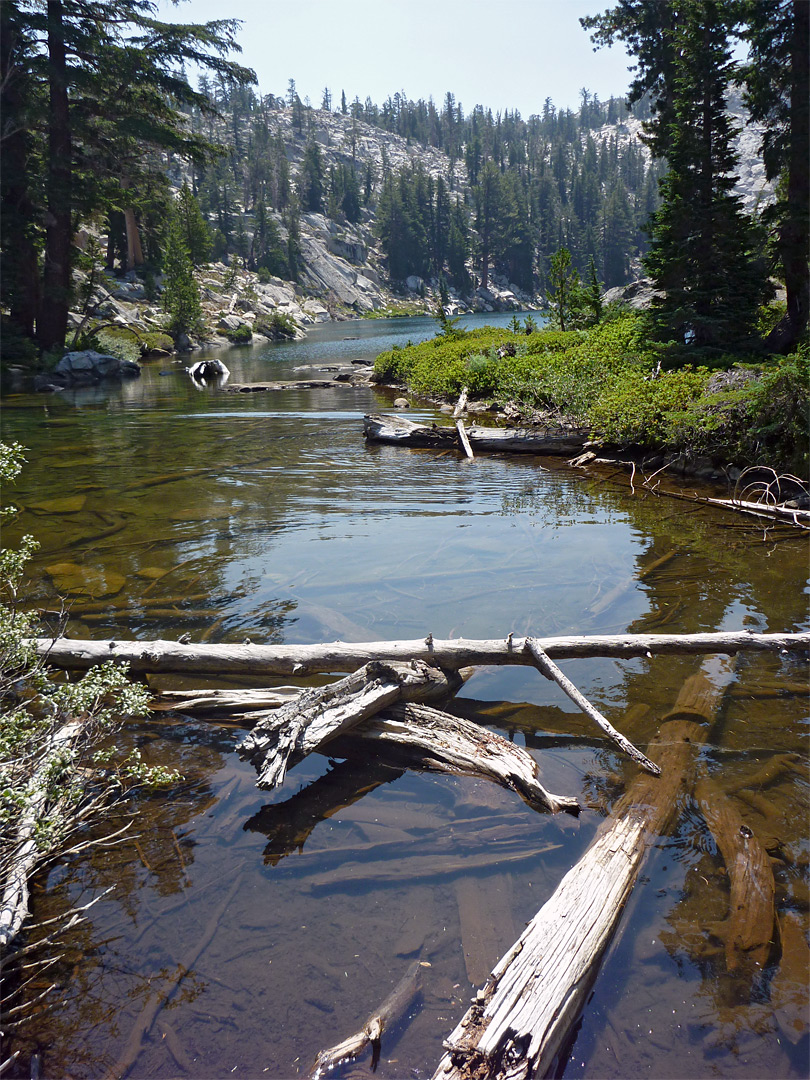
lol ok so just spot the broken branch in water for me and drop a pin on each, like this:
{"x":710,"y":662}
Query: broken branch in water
{"x":551,"y":671}
{"x":298,"y":728}
{"x":393,"y":1009}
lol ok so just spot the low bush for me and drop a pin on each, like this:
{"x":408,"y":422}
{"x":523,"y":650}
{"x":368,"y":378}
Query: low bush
{"x":277,"y":326}
{"x":241,"y":335}
{"x":627,"y":390}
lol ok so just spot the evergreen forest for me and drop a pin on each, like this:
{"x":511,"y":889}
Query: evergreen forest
{"x":106,"y":142}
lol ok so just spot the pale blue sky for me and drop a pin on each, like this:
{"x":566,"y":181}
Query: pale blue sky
{"x":503,"y":55}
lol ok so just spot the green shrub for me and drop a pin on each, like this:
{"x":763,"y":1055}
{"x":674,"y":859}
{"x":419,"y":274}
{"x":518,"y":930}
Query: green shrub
{"x":156,"y":341}
{"x":277,"y":326}
{"x":118,"y":341}
{"x":644,"y":412}
{"x":241,"y":335}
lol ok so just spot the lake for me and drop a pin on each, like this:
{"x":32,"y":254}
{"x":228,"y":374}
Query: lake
{"x":163,"y":510}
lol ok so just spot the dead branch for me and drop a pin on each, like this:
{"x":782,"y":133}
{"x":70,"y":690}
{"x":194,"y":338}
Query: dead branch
{"x":551,"y":671}
{"x":437,"y":740}
{"x":302,"y":725}
{"x":393,"y":1009}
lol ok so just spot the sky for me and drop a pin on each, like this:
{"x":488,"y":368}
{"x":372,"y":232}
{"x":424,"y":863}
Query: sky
{"x":502,"y":55}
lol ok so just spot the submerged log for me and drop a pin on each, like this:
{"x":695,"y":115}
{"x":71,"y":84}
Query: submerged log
{"x":521,"y":1018}
{"x":452,"y":654}
{"x":392,"y":1011}
{"x":304,"y":724}
{"x":751,"y":929}
{"x":399,"y":431}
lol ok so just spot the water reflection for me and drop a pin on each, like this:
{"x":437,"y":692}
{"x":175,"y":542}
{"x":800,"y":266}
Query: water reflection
{"x":163,"y":510}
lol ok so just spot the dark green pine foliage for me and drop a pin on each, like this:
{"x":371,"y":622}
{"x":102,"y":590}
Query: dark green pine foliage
{"x":704,"y":253}
{"x":268,"y":251}
{"x":181,"y":294}
{"x":311,"y":180}
{"x":777,"y":80}
{"x":99,"y":88}
{"x":196,"y":230}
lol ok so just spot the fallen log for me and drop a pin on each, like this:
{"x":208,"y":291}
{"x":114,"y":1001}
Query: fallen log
{"x":451,"y":654}
{"x":391,"y":1012}
{"x":751,"y":929}
{"x":436,"y":740}
{"x":521,"y":1018}
{"x":354,"y":379}
{"x":548,"y":668}
{"x":399,"y":431}
{"x":304,"y":724}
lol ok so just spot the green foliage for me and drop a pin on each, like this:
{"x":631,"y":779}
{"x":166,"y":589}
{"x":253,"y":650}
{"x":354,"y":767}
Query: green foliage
{"x":277,"y":327}
{"x":49,"y":730}
{"x":195,"y":229}
{"x":564,"y":292}
{"x":641,"y":411}
{"x":118,"y":341}
{"x":241,"y":335}
{"x":181,"y":294}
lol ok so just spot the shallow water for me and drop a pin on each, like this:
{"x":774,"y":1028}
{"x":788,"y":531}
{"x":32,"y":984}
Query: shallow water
{"x":164,"y":510}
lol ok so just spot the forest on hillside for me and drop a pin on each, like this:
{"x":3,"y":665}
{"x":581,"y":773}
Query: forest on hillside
{"x":511,"y":191}
{"x":102,"y":131}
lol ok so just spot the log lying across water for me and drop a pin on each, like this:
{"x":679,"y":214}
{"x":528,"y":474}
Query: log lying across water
{"x":399,"y":431}
{"x":450,"y":654}
{"x":527,"y":1008}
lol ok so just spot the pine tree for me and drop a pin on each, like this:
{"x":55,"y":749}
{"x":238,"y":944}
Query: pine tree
{"x":777,"y":80}
{"x":311,"y":180}
{"x":703,"y":252}
{"x":196,"y":231}
{"x":181,"y":294}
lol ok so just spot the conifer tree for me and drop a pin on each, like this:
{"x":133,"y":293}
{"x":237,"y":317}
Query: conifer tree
{"x":196,"y":231}
{"x":703,"y":253}
{"x":181,"y":294}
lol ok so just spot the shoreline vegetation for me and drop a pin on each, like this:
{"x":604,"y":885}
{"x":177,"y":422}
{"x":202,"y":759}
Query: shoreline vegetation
{"x":720,"y":413}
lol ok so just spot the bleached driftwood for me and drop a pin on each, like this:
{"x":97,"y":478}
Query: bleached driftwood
{"x":449,"y":654}
{"x":551,"y":671}
{"x":437,"y":740}
{"x":521,"y":1018}
{"x":391,"y":1012}
{"x":399,"y":431}
{"x":231,"y":701}
{"x":304,"y":724}
{"x":458,"y":412}
{"x":24,"y":854}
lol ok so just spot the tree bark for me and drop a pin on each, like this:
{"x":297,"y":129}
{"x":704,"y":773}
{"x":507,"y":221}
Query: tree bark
{"x":451,"y":654}
{"x":53,"y":312}
{"x":530,"y":1002}
{"x":399,"y":431}
{"x":317,"y":716}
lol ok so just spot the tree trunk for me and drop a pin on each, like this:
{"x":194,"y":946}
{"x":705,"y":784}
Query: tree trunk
{"x":451,"y":654}
{"x":20,"y":272}
{"x":795,"y":235}
{"x":53,"y":313}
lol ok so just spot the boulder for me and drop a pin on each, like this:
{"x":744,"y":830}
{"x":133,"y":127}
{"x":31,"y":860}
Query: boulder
{"x":414,"y":283}
{"x":87,"y":366}
{"x":230,"y":323}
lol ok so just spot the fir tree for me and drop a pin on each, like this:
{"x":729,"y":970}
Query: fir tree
{"x":196,"y":231}
{"x":181,"y":294}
